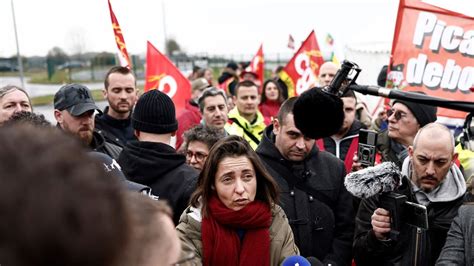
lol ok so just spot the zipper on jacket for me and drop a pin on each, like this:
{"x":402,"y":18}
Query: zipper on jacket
{"x":417,"y":246}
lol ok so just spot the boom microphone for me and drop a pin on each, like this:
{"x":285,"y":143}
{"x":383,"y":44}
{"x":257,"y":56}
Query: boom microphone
{"x":318,"y":113}
{"x":370,"y":181}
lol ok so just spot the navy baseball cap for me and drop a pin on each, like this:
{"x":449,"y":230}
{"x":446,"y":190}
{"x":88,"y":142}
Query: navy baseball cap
{"x":75,"y":98}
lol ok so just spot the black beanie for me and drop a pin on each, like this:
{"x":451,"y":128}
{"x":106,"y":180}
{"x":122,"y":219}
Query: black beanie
{"x":154,"y":113}
{"x":423,"y":113}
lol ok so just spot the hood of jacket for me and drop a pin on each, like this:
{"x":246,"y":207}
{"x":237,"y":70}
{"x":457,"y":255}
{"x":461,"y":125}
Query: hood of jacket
{"x":143,"y":162}
{"x":451,"y":188}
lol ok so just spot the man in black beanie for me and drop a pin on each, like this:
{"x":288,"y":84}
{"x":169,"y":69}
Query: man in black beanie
{"x":151,"y":160}
{"x":404,"y":120}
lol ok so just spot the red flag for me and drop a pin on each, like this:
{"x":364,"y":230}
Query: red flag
{"x":432,"y":52}
{"x":161,"y":74}
{"x":257,"y":64}
{"x":123,"y":55}
{"x":301,"y":72}
{"x":291,"y":42}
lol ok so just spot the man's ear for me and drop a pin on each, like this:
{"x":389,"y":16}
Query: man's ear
{"x":455,"y":158}
{"x":104,"y":93}
{"x":58,"y":116}
{"x":136,"y":133}
{"x":410,"y":151}
{"x":173,"y":133}
{"x":276,"y":126}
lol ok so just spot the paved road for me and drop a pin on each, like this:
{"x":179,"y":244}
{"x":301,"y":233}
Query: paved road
{"x":46,"y":89}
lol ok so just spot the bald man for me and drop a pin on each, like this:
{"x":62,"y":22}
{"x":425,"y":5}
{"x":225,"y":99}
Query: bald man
{"x":430,"y":178}
{"x":327,"y":72}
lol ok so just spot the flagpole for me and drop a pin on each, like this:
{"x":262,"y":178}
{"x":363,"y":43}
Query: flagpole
{"x":164,"y":26}
{"x":20,"y":63}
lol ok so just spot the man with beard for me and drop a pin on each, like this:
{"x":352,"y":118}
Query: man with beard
{"x":121,"y":93}
{"x":74,"y":111}
{"x":431,"y":178}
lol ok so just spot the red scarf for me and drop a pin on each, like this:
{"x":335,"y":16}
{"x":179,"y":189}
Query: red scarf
{"x":221,"y":244}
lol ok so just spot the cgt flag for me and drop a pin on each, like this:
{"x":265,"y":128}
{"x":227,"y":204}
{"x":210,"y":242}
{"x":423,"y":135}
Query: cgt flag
{"x":161,"y":74}
{"x":123,"y":54}
{"x":432,"y":51}
{"x":257,"y":64}
{"x":301,"y":72}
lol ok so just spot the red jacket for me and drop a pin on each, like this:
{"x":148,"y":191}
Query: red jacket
{"x":190,"y":117}
{"x":269,"y":110}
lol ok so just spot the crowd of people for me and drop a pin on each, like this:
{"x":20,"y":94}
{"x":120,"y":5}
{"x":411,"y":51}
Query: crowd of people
{"x":229,"y":180}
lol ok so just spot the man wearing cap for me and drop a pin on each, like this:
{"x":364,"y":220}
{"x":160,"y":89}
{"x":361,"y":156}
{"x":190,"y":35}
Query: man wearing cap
{"x":404,"y":120}
{"x":151,"y":160}
{"x":74,"y":110}
{"x":121,"y":93}
{"x":191,"y":115}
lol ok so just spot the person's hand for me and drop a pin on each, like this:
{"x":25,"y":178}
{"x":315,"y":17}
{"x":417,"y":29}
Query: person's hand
{"x":381,"y":223}
{"x":356,"y":166}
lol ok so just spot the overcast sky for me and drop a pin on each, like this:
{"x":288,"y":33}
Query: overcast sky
{"x":200,"y":26}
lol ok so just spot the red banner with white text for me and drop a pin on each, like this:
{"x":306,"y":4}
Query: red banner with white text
{"x":123,"y":54}
{"x":161,"y":74}
{"x":301,"y":72}
{"x":433,"y":52}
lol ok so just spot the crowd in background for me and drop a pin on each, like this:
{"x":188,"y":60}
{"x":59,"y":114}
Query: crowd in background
{"x":228,"y":180}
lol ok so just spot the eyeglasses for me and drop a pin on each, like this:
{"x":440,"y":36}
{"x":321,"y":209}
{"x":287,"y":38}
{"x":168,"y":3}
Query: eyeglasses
{"x":198,"y":155}
{"x":186,"y":260}
{"x":397,"y":114}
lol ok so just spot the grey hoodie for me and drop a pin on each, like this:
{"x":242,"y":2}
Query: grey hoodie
{"x":451,"y":188}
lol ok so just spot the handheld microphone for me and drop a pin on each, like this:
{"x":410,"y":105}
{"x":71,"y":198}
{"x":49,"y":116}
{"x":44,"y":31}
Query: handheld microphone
{"x":365,"y":183}
{"x":295,"y":261}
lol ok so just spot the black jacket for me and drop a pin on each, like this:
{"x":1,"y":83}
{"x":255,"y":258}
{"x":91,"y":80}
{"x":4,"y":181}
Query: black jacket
{"x":99,"y":144}
{"x":117,"y":131}
{"x":330,"y":145}
{"x":314,"y":198}
{"x":368,"y":250}
{"x":158,"y":166}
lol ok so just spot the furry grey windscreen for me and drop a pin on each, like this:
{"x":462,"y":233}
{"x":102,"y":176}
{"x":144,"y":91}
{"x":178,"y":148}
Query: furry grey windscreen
{"x":370,"y":181}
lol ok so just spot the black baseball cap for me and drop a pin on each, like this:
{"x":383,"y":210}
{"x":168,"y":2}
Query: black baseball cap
{"x":75,"y":98}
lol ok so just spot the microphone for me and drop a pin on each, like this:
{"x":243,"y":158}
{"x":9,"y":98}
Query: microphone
{"x":295,"y":261}
{"x":318,"y":113}
{"x":365,"y":183}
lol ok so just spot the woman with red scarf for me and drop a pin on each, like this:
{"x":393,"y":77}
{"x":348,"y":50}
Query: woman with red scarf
{"x":271,"y":100}
{"x":233,"y":219}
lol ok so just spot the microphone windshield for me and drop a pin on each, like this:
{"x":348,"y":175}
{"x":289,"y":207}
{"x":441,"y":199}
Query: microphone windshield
{"x":318,"y":114}
{"x":370,"y":181}
{"x":295,"y":261}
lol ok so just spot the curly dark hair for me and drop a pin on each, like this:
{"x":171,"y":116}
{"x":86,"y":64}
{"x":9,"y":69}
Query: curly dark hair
{"x":204,"y":134}
{"x":25,"y":117}
{"x":58,"y":207}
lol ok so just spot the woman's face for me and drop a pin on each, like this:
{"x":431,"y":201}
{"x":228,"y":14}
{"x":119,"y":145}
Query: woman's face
{"x":271,"y":91}
{"x":236,"y":182}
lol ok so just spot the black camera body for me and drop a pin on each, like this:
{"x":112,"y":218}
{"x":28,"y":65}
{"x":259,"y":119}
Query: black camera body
{"x":367,"y":151}
{"x":402,"y":212}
